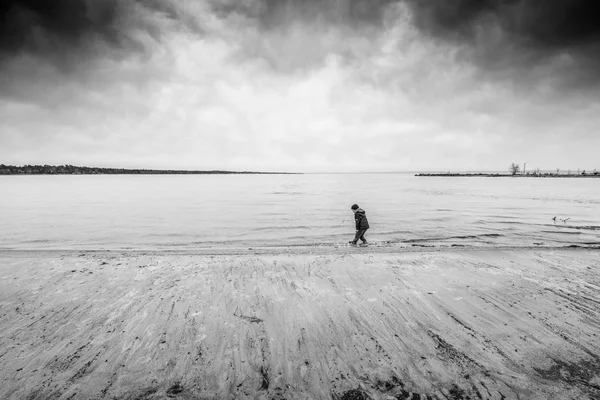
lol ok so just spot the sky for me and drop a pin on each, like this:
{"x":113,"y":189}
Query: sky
{"x":301,"y":86}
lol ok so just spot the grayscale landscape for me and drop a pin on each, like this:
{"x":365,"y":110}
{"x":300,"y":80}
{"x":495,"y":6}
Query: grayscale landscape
{"x":316,"y":199}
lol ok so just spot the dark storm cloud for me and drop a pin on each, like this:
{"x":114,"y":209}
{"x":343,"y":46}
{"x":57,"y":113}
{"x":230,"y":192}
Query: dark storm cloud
{"x":547,"y":24}
{"x":543,"y":23}
{"x":58,"y":31}
{"x":522,"y":32}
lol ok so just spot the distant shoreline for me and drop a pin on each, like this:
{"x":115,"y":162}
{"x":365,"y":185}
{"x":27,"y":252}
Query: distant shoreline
{"x":490,"y":175}
{"x":78,"y":170}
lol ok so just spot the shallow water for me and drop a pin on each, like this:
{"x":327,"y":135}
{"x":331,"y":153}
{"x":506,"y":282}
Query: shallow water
{"x":199,"y":211}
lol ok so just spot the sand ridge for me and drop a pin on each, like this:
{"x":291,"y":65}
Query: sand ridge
{"x":489,"y":324}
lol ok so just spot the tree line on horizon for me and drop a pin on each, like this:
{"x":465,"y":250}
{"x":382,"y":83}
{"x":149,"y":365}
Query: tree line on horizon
{"x":515,"y":169}
{"x":78,"y":170}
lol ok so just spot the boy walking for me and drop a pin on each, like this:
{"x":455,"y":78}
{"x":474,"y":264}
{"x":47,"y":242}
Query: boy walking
{"x":362,"y":224}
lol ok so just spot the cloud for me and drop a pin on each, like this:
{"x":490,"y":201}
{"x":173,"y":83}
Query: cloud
{"x":47,"y":44}
{"x":278,"y":14}
{"x":553,"y":25}
{"x":507,"y":38}
{"x":53,"y":53}
{"x":291,"y":36}
{"x":54,"y":30}
{"x":295,"y":85}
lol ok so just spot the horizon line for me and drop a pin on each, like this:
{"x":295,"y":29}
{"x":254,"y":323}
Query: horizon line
{"x":227,"y":171}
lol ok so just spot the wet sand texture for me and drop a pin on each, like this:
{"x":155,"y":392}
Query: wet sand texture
{"x":513,"y":324}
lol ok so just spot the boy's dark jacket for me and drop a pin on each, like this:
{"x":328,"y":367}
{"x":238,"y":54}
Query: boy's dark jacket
{"x":361,"y":220}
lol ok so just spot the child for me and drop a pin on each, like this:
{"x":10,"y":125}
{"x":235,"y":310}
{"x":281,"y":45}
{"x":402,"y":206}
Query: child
{"x":362,"y":224}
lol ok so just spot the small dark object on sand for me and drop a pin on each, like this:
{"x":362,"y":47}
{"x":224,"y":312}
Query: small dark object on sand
{"x":249,"y":318}
{"x":354,"y":394}
{"x":174,"y":390}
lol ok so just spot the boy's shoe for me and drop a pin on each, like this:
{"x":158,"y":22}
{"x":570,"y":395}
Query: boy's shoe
{"x":352,"y":242}
{"x":365,"y":242}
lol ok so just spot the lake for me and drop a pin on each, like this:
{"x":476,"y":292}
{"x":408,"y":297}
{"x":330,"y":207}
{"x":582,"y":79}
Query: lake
{"x":220,"y":211}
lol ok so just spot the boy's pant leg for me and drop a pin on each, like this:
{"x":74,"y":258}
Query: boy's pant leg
{"x":362,"y":237}
{"x":360,"y":234}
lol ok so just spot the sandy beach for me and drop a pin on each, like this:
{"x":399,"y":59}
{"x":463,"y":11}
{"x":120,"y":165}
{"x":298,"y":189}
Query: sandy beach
{"x":297,"y":324}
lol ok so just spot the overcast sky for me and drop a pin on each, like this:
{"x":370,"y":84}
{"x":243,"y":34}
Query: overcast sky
{"x":304,"y":85}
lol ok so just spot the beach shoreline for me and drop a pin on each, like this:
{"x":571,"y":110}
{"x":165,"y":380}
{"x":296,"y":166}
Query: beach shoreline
{"x":416,"y":246}
{"x":301,"y":322}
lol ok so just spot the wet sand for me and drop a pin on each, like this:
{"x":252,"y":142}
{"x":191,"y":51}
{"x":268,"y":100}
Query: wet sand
{"x":296,"y":324}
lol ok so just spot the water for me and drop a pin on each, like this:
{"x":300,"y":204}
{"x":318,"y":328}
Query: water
{"x":202,"y":211}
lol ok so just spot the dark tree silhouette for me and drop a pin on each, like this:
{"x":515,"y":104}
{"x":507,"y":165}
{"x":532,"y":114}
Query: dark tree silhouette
{"x":75,"y":170}
{"x":514,"y":168}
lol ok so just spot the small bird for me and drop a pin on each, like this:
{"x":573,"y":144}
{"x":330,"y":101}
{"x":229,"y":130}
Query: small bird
{"x":554,"y":219}
{"x":565,"y":220}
